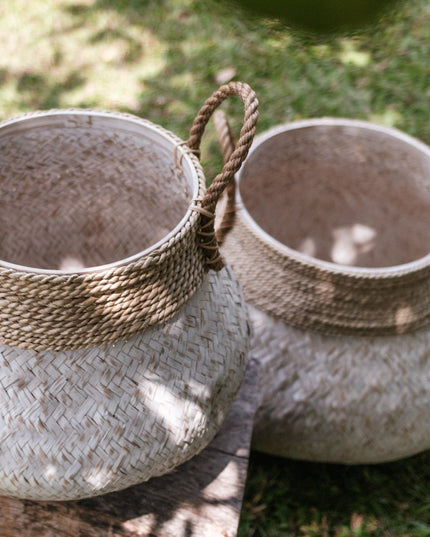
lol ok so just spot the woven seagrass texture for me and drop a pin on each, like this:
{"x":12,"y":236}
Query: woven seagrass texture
{"x":340,"y":399}
{"x":85,"y":422}
{"x":345,"y":192}
{"x":344,"y":364}
{"x":79,"y":190}
{"x":82,"y":189}
{"x":84,"y":196}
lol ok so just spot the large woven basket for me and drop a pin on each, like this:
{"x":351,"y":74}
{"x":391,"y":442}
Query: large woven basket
{"x":123,"y":340}
{"x":331,"y":243}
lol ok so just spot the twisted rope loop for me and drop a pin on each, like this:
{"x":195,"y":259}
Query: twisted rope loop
{"x":209,"y":242}
{"x":227,"y":143}
{"x":61,"y":309}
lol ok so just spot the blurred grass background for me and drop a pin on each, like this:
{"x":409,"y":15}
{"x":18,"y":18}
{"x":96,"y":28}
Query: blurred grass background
{"x":160,"y":59}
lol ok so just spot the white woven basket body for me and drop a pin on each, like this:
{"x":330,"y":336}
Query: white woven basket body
{"x":83,"y":422}
{"x":340,"y":399}
{"x":123,"y":338}
{"x":331,"y":243}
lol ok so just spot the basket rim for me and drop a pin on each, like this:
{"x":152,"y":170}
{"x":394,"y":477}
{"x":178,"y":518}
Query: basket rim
{"x":185,"y":155}
{"x":305,"y":259}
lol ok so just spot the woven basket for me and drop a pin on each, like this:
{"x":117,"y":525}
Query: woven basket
{"x":331,"y":243}
{"x":121,"y":350}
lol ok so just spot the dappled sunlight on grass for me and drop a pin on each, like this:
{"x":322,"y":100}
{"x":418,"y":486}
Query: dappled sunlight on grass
{"x":75,"y":56}
{"x":351,"y":54}
{"x":160,"y":60}
{"x":389,"y":117}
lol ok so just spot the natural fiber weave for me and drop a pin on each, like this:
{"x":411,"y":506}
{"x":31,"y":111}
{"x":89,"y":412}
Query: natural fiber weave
{"x":120,"y":351}
{"x":340,"y":399}
{"x":303,"y":290}
{"x":344,"y":369}
{"x":227,"y":211}
{"x":82,"y":189}
{"x":84,"y":422}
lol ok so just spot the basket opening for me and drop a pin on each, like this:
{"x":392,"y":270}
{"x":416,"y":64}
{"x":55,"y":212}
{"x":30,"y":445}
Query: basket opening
{"x":84,"y":189}
{"x":349,"y":193}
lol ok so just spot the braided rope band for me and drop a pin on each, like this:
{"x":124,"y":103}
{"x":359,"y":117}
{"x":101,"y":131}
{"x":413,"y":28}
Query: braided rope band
{"x":328,"y":301}
{"x":45,"y":307}
{"x":326,"y":297}
{"x":57,"y":310}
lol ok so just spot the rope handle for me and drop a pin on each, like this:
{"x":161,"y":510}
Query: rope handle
{"x":227,"y":144}
{"x":208,"y":240}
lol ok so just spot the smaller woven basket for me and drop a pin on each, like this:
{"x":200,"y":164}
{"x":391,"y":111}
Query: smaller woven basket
{"x":123,"y":338}
{"x":329,"y":236}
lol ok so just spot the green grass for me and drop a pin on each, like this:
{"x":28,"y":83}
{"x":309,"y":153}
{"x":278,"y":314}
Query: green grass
{"x":293,"y":498}
{"x":160,"y":59}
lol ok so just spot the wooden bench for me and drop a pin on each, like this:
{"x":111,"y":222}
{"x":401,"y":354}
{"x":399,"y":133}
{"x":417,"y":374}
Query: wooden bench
{"x":201,"y":498}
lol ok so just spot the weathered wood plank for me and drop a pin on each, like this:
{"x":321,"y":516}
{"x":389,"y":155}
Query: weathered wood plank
{"x":201,"y":498}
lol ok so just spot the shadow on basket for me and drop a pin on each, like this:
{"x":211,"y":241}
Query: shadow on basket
{"x":327,"y":232}
{"x":125,"y":366}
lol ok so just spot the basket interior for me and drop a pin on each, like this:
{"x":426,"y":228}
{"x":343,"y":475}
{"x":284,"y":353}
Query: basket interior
{"x":348,"y":194}
{"x":81,"y":190}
